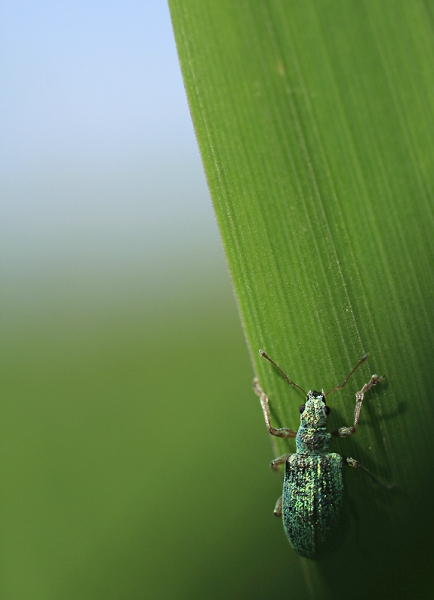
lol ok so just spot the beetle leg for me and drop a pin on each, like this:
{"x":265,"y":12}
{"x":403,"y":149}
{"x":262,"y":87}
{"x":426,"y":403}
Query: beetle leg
{"x":278,"y":461}
{"x":284,"y":432}
{"x":346,"y":431}
{"x":278,"y":508}
{"x":352,"y":462}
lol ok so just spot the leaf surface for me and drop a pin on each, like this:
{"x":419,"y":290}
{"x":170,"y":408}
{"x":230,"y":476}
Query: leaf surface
{"x":315,"y":121}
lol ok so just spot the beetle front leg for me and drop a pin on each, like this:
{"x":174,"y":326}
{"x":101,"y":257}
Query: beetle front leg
{"x":284,"y":432}
{"x":346,"y":431}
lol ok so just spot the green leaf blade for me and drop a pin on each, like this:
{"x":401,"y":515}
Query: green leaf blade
{"x":315,"y":122}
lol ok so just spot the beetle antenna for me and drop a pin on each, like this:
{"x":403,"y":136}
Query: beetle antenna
{"x":265,"y":355}
{"x":339,"y":387}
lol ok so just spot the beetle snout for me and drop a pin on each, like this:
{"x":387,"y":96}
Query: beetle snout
{"x":314,"y":414}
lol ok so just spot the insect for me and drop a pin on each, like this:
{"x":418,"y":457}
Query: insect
{"x":311,"y":501}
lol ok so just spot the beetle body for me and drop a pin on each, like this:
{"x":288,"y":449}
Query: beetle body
{"x":312,"y":497}
{"x":312,"y":488}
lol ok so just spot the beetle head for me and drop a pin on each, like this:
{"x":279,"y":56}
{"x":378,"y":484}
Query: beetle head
{"x":315,"y":410}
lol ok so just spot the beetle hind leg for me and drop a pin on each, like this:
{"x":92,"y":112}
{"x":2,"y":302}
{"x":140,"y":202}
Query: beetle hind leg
{"x":278,"y":508}
{"x":352,"y":462}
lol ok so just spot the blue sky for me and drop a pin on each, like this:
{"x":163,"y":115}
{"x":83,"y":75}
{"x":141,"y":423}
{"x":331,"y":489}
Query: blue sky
{"x":98,"y":158}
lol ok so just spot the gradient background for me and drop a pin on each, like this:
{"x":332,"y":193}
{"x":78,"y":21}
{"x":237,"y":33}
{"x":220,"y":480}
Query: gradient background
{"x":133,"y":452}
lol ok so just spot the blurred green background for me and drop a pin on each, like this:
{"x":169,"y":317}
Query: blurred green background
{"x":134,"y":457}
{"x":133,"y":451}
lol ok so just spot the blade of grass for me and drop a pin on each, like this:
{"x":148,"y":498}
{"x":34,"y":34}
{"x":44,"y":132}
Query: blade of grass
{"x":315,"y":122}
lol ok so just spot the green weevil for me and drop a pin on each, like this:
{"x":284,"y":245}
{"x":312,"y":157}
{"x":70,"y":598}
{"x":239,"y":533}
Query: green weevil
{"x":312,"y":496}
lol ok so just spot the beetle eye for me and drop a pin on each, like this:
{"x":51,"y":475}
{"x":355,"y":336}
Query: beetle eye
{"x":302,"y":407}
{"x":327,"y":410}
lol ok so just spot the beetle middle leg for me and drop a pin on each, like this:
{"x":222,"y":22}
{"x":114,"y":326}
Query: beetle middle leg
{"x":283,"y":432}
{"x":278,"y":461}
{"x":346,"y":431}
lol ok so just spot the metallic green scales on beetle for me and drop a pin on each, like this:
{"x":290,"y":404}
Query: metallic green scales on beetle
{"x":311,"y":502}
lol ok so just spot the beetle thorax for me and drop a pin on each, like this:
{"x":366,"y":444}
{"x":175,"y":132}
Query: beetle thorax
{"x":312,"y":436}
